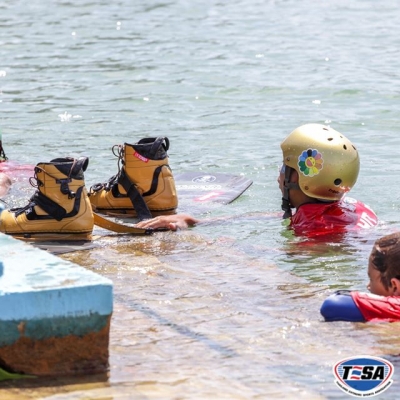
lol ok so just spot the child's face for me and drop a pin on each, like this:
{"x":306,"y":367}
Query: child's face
{"x":375,"y":285}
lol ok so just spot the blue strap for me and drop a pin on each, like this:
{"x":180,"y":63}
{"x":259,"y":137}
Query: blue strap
{"x":340,"y":306}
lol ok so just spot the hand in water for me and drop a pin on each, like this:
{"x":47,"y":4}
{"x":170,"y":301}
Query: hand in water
{"x":171,"y":222}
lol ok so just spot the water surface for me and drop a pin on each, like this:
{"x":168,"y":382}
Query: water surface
{"x":227,"y":310}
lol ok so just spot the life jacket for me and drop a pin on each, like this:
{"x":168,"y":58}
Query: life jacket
{"x":377,"y":308}
{"x":347,"y":214}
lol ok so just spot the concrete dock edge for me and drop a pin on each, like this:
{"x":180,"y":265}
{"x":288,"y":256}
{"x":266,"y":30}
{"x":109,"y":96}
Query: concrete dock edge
{"x":54,"y":315}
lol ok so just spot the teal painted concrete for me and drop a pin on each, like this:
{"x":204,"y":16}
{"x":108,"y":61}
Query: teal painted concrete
{"x":39,"y":329}
{"x":52,"y":296}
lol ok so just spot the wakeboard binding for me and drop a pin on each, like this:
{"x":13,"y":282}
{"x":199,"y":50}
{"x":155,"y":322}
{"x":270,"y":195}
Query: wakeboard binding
{"x":144,"y":186}
{"x":59,"y":209}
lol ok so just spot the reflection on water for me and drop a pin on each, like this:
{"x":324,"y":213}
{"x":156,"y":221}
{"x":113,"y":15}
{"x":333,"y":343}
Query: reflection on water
{"x":202,"y":317}
{"x":336,"y":261}
{"x":207,"y":314}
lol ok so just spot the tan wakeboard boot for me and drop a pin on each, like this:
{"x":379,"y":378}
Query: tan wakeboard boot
{"x":144,"y":185}
{"x":60,"y":208}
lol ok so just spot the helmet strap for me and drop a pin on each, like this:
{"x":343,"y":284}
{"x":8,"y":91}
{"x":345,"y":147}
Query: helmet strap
{"x":3,"y":156}
{"x":287,"y":185}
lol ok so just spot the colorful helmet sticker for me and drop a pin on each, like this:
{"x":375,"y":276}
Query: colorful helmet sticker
{"x":310,"y":162}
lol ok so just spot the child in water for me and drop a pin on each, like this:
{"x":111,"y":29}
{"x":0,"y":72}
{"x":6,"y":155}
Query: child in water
{"x":383,"y":303}
{"x":320,"y":166}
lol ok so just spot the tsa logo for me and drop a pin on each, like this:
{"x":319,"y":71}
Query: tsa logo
{"x":363,"y":376}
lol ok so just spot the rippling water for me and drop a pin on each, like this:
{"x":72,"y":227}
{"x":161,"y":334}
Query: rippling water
{"x":229,"y":310}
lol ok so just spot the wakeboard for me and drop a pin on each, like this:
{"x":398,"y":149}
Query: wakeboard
{"x":196,"y":188}
{"x":197,"y":192}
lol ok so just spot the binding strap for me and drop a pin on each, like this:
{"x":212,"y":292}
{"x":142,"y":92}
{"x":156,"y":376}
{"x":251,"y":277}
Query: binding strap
{"x":154,"y":181}
{"x":136,"y":198}
{"x":53,"y":209}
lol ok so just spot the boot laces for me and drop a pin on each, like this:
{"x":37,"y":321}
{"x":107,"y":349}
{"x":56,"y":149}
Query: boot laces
{"x":37,"y":183}
{"x":118,"y":151}
{"x":120,"y":155}
{"x":64,"y":188}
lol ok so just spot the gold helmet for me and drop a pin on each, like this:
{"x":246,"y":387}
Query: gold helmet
{"x":326,"y":161}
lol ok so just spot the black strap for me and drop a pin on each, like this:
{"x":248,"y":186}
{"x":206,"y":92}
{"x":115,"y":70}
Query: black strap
{"x":53,"y":209}
{"x":2,"y":154}
{"x":154,"y":181}
{"x":136,"y":198}
{"x":287,"y":185}
{"x":49,"y":206}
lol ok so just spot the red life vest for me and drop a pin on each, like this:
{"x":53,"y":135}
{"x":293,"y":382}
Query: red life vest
{"x":315,"y":219}
{"x":377,"y":308}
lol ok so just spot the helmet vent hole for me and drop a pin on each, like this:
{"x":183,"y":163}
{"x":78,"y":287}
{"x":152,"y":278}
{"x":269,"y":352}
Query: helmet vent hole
{"x":345,"y":147}
{"x":354,"y":148}
{"x":337,"y":181}
{"x":330,"y":139}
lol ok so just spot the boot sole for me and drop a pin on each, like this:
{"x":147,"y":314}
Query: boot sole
{"x":38,"y":237}
{"x":132,"y":214}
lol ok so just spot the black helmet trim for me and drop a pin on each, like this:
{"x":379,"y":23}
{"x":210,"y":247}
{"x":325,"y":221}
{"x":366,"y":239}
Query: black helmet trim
{"x":287,"y":185}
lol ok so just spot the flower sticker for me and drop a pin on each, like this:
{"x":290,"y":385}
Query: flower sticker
{"x":310,"y":162}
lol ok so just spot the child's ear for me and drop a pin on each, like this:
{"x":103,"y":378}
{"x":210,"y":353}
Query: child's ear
{"x":395,"y":286}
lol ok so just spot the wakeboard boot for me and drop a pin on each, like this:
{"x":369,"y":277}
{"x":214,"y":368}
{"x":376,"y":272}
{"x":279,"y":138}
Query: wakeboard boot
{"x":59,"y":209}
{"x":144,"y":186}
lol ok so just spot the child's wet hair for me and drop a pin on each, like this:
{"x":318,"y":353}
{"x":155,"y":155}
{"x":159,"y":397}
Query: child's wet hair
{"x":385,"y":257}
